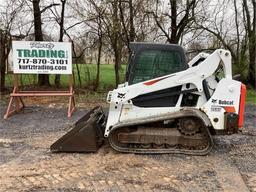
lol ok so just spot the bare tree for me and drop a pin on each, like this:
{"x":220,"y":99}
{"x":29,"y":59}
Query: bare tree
{"x":114,"y":36}
{"x":180,"y":15}
{"x":43,"y":80}
{"x":103,"y":18}
{"x":250,"y":18}
{"x":128,"y":27}
{"x":115,"y":24}
{"x":95,"y":22}
{"x":237,"y":34}
{"x":60,"y":20}
{"x":100,"y":34}
{"x":5,"y":43}
{"x":9,"y":14}
{"x":220,"y":27}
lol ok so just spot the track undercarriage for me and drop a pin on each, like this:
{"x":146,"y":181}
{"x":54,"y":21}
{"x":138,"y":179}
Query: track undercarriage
{"x":187,"y":135}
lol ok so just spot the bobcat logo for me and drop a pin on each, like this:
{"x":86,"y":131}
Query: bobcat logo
{"x":214,"y":101}
{"x":222,"y":102}
{"x":121,"y":95}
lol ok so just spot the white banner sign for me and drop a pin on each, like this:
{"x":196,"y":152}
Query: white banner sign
{"x":41,"y":57}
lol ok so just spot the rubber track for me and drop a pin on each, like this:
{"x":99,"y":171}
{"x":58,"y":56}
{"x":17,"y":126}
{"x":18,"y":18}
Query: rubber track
{"x":205,"y":151}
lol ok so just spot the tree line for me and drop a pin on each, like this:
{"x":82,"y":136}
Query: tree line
{"x":109,"y":26}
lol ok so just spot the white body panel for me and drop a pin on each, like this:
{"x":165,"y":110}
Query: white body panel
{"x":227,"y":94}
{"x":122,"y":108}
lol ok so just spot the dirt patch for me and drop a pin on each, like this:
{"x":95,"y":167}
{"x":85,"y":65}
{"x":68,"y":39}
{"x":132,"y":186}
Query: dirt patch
{"x":26,"y":164}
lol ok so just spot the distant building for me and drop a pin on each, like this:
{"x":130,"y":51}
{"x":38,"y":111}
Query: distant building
{"x":91,"y":56}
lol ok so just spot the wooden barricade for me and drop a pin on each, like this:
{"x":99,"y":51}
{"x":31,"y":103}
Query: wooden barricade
{"x":16,"y":103}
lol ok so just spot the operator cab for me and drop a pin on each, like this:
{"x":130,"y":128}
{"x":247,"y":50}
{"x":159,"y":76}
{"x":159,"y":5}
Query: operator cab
{"x":148,"y":61}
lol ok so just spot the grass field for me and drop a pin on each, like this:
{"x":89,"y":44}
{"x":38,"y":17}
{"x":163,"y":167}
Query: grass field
{"x":87,"y":74}
{"x":251,"y":96}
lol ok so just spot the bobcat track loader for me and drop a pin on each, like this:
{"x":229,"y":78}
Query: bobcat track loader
{"x":165,"y":106}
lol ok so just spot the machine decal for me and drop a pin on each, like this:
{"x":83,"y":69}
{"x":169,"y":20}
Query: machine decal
{"x":214,"y":101}
{"x":156,"y":80}
{"x":222,"y":102}
{"x":225,"y":102}
{"x":229,"y":109}
{"x":215,"y":108}
{"x":121,"y":95}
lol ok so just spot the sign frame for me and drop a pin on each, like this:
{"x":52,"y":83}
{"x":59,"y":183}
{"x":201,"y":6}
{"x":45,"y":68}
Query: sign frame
{"x":16,"y":103}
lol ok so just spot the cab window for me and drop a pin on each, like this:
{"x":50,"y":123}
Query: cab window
{"x":151,"y":64}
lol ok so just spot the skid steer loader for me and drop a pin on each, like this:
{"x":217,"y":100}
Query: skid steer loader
{"x":166,"y":105}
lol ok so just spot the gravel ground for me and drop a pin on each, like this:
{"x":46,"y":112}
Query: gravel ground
{"x":26,"y":164}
